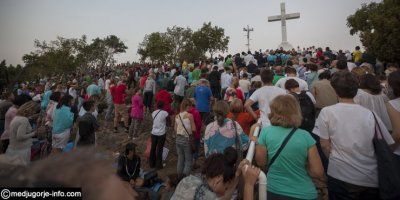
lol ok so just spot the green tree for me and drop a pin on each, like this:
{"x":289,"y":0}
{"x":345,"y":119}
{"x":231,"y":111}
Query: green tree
{"x":66,"y":55}
{"x":378,"y":25}
{"x":156,"y":46}
{"x":211,"y":39}
{"x":179,"y":38}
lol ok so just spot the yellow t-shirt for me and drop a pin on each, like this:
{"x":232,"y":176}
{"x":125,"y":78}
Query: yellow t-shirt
{"x":357,"y":55}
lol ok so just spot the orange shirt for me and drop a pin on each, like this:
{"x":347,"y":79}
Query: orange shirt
{"x":245,"y":120}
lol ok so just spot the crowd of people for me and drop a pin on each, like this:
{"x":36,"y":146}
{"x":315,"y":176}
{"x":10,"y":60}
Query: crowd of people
{"x":318,"y":111}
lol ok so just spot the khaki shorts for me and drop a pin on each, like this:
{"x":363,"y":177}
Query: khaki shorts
{"x":121,"y":110}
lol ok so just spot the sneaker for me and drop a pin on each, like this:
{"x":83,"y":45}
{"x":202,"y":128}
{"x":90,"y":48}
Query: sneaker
{"x":126,"y":130}
{"x":115,"y":130}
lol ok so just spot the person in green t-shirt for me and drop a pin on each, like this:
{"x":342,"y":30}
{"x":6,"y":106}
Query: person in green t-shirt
{"x":278,"y":74}
{"x":196,"y":74}
{"x":288,"y":176}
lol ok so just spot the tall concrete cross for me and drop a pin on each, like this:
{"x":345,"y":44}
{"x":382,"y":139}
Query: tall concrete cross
{"x":283,"y":17}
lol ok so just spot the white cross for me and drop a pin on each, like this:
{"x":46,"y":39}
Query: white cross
{"x":283,"y":17}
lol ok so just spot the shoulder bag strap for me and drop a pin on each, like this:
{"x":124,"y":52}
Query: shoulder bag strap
{"x":238,"y":142}
{"x":187,"y":132}
{"x":156,"y":115}
{"x":285,"y":141}
{"x":377,"y":128}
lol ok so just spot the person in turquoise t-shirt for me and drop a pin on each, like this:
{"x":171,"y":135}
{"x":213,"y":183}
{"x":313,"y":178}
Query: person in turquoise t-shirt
{"x":93,"y":89}
{"x":63,"y":119}
{"x":288,"y":176}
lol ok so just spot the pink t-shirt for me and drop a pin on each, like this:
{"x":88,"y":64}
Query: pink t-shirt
{"x":137,"y":107}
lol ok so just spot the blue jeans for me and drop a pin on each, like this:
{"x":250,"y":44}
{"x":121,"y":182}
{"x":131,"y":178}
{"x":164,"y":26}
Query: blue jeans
{"x":184,"y":155}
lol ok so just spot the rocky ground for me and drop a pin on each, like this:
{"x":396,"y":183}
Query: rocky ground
{"x":113,"y":144}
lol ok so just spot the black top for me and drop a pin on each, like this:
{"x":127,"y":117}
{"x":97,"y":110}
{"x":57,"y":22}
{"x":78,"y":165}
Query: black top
{"x":87,"y":126}
{"x":128,"y":169}
{"x":214,"y":77}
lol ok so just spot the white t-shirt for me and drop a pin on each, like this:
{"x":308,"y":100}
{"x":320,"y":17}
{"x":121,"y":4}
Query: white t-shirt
{"x":226,"y":80}
{"x":159,"y":122}
{"x":221,"y":65}
{"x":375,"y":103}
{"x":351,"y":128}
{"x":244,"y":85}
{"x":180,"y":83}
{"x":107,"y":84}
{"x":72,"y":92}
{"x":101,"y":83}
{"x":256,"y":78}
{"x":351,"y":66}
{"x":302,"y":83}
{"x":395,"y":103}
{"x":248,"y":58}
{"x":264,"y":97}
{"x":82,"y":111}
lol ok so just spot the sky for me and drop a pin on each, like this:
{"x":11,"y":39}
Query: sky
{"x":322,"y":23}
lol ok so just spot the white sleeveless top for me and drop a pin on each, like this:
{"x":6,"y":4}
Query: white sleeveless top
{"x":180,"y":130}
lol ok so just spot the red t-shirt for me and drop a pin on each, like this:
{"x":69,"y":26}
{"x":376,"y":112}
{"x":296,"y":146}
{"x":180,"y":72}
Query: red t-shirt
{"x":165,"y":97}
{"x":142,"y":82}
{"x":245,"y":120}
{"x":118,"y":93}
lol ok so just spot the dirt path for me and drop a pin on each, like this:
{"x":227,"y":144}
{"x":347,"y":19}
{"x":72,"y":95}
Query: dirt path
{"x":114,"y":143}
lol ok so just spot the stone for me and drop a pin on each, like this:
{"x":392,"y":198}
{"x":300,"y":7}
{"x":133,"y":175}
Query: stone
{"x":283,"y":17}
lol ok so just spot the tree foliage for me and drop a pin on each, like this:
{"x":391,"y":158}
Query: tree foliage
{"x":179,"y":43}
{"x":211,"y":39}
{"x":378,"y":25}
{"x":7,"y":74}
{"x":155,"y":46}
{"x":65,"y":55}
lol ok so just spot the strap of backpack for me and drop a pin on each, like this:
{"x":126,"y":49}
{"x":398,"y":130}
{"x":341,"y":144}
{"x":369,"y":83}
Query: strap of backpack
{"x":285,"y":141}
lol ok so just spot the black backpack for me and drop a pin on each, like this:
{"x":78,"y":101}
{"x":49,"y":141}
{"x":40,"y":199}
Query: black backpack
{"x":307,"y":111}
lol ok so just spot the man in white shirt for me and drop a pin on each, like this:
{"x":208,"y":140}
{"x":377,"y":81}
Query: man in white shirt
{"x":264,"y":97}
{"x":226,"y":80}
{"x":180,"y":84}
{"x":291,"y":73}
{"x":346,"y":131}
{"x":248,"y":58}
{"x":107,"y":84}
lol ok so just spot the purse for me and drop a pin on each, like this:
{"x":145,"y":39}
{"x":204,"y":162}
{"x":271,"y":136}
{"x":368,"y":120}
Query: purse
{"x":388,"y":167}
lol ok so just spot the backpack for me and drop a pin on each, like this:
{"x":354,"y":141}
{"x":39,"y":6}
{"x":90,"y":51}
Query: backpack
{"x":307,"y":111}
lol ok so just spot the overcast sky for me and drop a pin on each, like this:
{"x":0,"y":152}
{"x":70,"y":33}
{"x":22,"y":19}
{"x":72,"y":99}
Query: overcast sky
{"x":322,"y":23}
